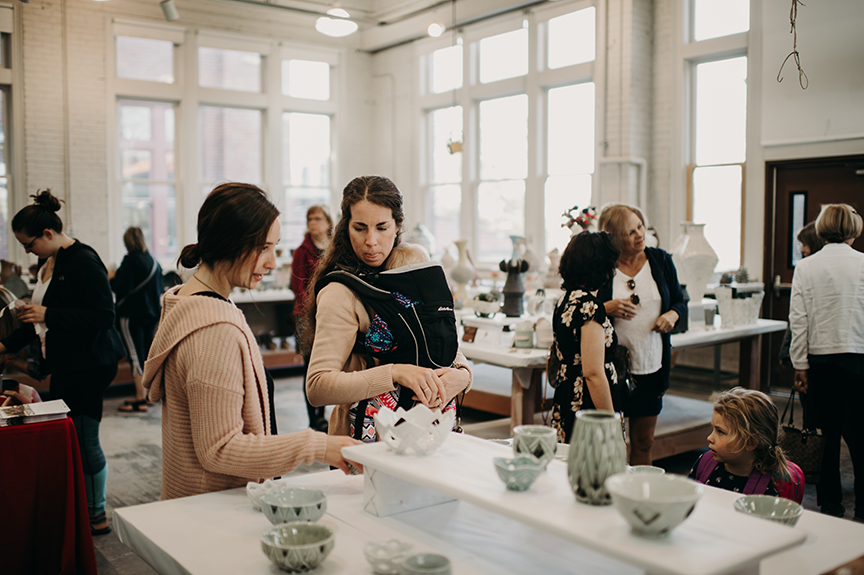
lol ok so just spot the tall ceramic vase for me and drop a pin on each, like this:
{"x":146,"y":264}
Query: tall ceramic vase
{"x":597,"y":451}
{"x":461,"y":274}
{"x":694,"y":259}
{"x":514,"y":289}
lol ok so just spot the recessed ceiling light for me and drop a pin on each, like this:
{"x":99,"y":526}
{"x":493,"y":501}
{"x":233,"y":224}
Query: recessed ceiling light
{"x":435,"y":29}
{"x":338,"y":26}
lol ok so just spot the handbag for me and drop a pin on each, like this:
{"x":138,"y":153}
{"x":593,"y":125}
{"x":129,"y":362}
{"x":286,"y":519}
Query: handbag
{"x":626,"y":384}
{"x":802,"y":446}
{"x":138,"y":288}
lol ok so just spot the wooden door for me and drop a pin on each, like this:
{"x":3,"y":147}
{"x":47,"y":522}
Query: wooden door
{"x":795,"y":192}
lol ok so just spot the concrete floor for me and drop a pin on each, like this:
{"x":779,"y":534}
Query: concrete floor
{"x":133,"y":448}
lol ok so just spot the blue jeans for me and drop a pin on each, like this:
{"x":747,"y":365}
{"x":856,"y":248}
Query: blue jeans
{"x":93,"y":462}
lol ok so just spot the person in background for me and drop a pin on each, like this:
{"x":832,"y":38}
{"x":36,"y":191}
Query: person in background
{"x":218,"y":417}
{"x":826,"y":313}
{"x":137,"y":284}
{"x":645,"y":301}
{"x":10,"y":277}
{"x":744,"y":455}
{"x":319,"y":228}
{"x":72,"y":313}
{"x":581,"y":368}
{"x":370,"y":227}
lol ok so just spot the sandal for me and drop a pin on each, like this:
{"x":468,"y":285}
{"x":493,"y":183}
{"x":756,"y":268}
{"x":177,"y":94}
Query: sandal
{"x":102,"y":531}
{"x":97,"y":520}
{"x":129,"y":406}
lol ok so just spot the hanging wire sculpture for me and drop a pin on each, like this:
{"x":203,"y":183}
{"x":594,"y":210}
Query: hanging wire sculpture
{"x":803,"y":81}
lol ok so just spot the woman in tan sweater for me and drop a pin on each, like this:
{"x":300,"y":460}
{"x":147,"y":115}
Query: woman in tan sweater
{"x":218,"y":425}
{"x":370,"y":227}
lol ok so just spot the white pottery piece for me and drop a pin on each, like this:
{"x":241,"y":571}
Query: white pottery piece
{"x":297,"y":547}
{"x":461,"y":274}
{"x":421,"y":432}
{"x":772,"y":508}
{"x":255,"y":491}
{"x":694,"y":259}
{"x":737,"y":311}
{"x":286,"y":504}
{"x":543,"y":332}
{"x":384,"y":556}
{"x":553,"y":280}
{"x":597,"y":452}
{"x":536,"y":440}
{"x":654,"y":504}
{"x":524,"y":334}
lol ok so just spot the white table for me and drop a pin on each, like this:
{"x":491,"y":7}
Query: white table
{"x":218,"y":533}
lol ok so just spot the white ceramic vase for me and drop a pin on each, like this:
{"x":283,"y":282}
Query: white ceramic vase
{"x":553,"y":280}
{"x":694,"y":259}
{"x":461,"y":274}
{"x":597,"y":451}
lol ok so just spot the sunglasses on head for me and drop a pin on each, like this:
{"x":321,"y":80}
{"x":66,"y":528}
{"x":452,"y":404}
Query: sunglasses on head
{"x":634,"y":297}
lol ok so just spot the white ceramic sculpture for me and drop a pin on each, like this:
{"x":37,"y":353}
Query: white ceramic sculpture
{"x":694,"y":259}
{"x":420,"y":432}
{"x":599,"y":454}
{"x":461,"y":274}
{"x":553,"y":280}
{"x":737,"y":311}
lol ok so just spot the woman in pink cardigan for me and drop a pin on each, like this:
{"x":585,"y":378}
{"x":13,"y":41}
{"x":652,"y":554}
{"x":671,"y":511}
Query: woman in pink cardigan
{"x":218,"y":425}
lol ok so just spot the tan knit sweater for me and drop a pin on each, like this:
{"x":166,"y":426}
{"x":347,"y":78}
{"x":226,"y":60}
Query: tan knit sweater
{"x":336,"y":376}
{"x":205,"y":367}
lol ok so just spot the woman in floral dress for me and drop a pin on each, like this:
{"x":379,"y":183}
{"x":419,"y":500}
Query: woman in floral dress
{"x":581,"y":367}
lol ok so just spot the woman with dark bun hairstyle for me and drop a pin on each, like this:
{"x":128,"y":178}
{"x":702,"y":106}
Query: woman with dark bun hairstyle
{"x":218,"y":422}
{"x":72,"y":313}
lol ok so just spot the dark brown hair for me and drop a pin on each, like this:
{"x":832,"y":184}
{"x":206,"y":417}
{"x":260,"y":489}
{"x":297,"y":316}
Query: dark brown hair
{"x":133,"y":239}
{"x":807,"y":236}
{"x":39,"y":216}
{"x":589,"y":261}
{"x":233,"y":223}
{"x":376,"y":190}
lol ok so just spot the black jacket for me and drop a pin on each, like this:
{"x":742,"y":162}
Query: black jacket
{"x":671,"y":297}
{"x":145,"y":304}
{"x":79,"y":315}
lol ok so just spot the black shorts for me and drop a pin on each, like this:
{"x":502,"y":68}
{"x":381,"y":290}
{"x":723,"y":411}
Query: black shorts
{"x":647,"y":400}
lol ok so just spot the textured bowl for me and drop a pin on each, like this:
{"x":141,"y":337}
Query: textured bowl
{"x":647,"y":469}
{"x":384,"y":556}
{"x":255,"y":491}
{"x":537,"y":440}
{"x":774,"y":509}
{"x":518,"y":473}
{"x":297,"y":547}
{"x":653,"y":504}
{"x":287,"y":504}
{"x":425,"y":564}
{"x":485,"y":308}
{"x":418,"y":431}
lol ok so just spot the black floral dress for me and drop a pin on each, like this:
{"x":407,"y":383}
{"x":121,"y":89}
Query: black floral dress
{"x":574,"y":309}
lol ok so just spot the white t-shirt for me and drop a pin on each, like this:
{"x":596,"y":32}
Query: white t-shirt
{"x":645,"y":345}
{"x":36,"y":298}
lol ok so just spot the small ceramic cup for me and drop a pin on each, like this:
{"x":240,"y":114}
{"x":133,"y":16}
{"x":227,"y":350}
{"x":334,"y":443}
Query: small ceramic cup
{"x":537,"y":440}
{"x":425,"y":564}
{"x":649,"y":469}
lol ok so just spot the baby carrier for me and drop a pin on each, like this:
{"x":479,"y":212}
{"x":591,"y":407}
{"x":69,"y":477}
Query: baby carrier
{"x":757,"y":483}
{"x":411,"y":322}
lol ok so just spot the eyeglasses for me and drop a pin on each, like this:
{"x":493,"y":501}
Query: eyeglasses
{"x":29,"y":245}
{"x":634,"y":297}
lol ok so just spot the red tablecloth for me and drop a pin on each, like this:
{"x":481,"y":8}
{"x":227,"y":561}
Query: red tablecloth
{"x":45,"y":526}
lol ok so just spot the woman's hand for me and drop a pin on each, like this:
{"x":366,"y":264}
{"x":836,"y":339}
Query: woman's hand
{"x":333,"y":453}
{"x":801,"y":382}
{"x":455,"y":381}
{"x":424,"y":382}
{"x":666,"y":322}
{"x":32,"y":313}
{"x":620,"y":308}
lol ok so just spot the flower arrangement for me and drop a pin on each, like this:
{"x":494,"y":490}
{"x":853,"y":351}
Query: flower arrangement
{"x":583,"y":219}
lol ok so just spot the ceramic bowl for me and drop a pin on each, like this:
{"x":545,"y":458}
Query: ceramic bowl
{"x":287,"y":504}
{"x":485,"y":308}
{"x":385,"y":556}
{"x":255,"y":491}
{"x":648,"y":469}
{"x":774,"y":509}
{"x":297,"y":547}
{"x":519,"y":472}
{"x":537,"y":440}
{"x":418,"y":431}
{"x":653,"y":504}
{"x":425,"y":564}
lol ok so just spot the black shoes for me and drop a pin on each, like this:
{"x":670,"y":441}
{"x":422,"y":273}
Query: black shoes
{"x":835,"y":510}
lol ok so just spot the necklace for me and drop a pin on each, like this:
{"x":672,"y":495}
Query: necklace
{"x":195,"y":275}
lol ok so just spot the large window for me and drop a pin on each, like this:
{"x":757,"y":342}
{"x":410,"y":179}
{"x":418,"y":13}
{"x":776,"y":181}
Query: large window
{"x":445,"y":174}
{"x":306,"y":150}
{"x":230,"y":146}
{"x":6,"y":89}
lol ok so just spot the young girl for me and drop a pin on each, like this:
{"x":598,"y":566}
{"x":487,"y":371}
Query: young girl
{"x":744,"y":454}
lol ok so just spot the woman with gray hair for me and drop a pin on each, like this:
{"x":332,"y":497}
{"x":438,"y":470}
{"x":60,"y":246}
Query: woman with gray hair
{"x":827,"y":314}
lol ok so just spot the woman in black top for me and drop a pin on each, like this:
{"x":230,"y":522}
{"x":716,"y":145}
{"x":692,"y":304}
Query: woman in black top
{"x":138,"y":285}
{"x":81,"y":345}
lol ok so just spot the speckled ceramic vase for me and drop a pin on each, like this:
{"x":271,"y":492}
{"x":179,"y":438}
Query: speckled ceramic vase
{"x":597,"y":451}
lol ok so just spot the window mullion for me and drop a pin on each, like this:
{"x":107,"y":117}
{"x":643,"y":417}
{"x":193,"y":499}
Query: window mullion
{"x":272,"y":157}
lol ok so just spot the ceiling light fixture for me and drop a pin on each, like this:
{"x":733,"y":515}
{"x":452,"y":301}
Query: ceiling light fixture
{"x":169,"y":9}
{"x":435,"y":29}
{"x":336,"y":27}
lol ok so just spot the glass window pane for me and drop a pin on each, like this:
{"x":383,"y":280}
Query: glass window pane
{"x":146,"y":140}
{"x":721,"y":111}
{"x":145,"y":59}
{"x":306,"y":79}
{"x":306,"y":149}
{"x":446,"y":128}
{"x":501,"y":215}
{"x":504,"y":138}
{"x":446,"y":204}
{"x":504,"y":56}
{"x":571,"y":38}
{"x":297,"y":201}
{"x":4,"y":182}
{"x":717,"y":204}
{"x":446,"y":65}
{"x":229,"y":69}
{"x":571,"y":130}
{"x":230,"y":145}
{"x":562,"y":193}
{"x":153,"y":208}
{"x":798,"y":209}
{"x":712,"y":19}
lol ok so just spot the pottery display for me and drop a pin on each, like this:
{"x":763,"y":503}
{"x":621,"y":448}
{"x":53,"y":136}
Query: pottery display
{"x":297,"y":547}
{"x":384,"y":556}
{"x":598,"y":453}
{"x":694,"y":259}
{"x":536,"y":440}
{"x":485,"y":305}
{"x":418,"y":431}
{"x":287,"y":504}
{"x":552,"y":279}
{"x":513,"y":290}
{"x":461,"y":274}
{"x":425,"y":564}
{"x":543,"y":333}
{"x":737,"y":309}
{"x":772,"y":508}
{"x":524,"y":337}
{"x":255,"y":491}
{"x":518,"y":473}
{"x":654,"y":504}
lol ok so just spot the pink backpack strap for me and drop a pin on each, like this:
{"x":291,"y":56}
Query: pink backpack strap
{"x":794,"y":488}
{"x":705,"y":467}
{"x":757,"y":483}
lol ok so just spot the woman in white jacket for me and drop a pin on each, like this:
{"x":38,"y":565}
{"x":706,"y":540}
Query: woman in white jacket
{"x":827,"y":319}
